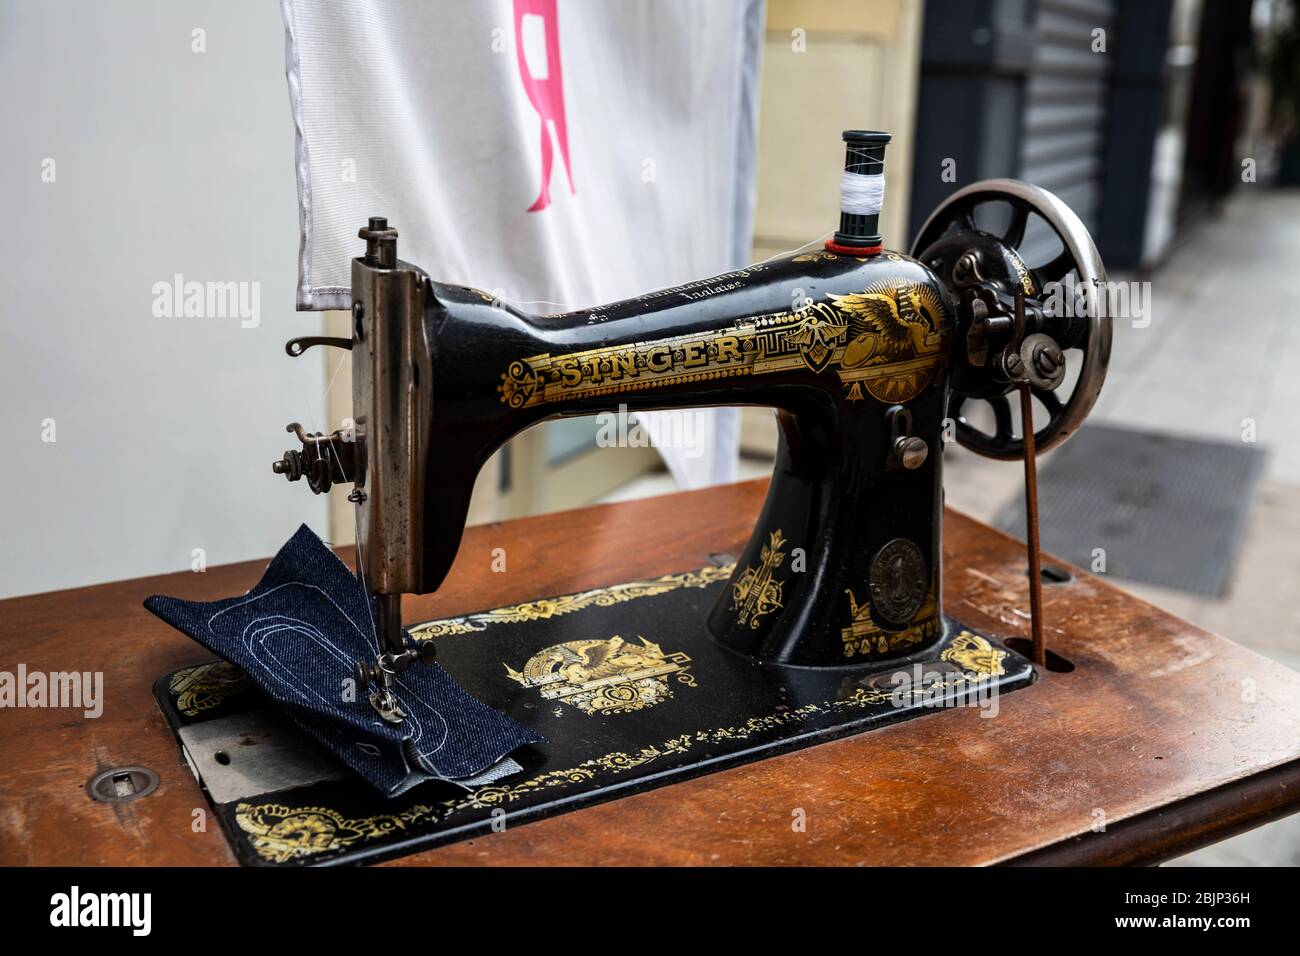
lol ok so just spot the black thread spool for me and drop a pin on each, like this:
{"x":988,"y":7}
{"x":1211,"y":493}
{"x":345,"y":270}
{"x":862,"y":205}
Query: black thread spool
{"x":864,"y":154}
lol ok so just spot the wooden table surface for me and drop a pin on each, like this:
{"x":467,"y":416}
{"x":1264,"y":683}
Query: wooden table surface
{"x":1170,"y":736}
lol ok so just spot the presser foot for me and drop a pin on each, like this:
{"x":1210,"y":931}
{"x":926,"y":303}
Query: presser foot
{"x":386,"y":705}
{"x":381,"y":673}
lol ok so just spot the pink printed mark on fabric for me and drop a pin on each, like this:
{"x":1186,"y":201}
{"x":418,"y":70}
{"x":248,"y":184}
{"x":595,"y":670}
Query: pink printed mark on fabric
{"x":546,"y":93}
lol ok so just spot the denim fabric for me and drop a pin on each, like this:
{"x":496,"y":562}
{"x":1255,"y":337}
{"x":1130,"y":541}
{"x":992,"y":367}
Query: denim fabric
{"x":297,"y":634}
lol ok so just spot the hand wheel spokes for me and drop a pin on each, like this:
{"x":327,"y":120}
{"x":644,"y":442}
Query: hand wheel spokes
{"x":962,"y":408}
{"x":1088,"y":333}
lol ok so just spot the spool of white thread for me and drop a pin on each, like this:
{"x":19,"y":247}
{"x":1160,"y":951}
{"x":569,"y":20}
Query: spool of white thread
{"x":862,"y":195}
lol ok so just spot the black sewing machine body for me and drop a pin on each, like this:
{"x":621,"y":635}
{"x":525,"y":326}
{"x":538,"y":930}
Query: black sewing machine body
{"x":831,"y":619}
{"x":854,"y":354}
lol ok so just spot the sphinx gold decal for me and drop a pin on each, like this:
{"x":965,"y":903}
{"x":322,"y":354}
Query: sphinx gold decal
{"x":887,"y":340}
{"x":610,"y":676}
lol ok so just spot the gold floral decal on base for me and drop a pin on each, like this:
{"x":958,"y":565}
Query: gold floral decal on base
{"x":205,"y":686}
{"x":610,"y":676}
{"x":546,"y":608}
{"x":756,"y":593}
{"x":280,"y":833}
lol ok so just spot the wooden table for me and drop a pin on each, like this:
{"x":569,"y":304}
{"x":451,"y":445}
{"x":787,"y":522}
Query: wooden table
{"x":1170,"y":736}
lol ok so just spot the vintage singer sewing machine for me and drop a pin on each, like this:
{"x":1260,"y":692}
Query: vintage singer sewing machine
{"x":828,"y":623}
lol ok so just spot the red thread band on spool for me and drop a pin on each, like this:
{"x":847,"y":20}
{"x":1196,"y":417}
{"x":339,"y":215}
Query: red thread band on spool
{"x":833,"y":246}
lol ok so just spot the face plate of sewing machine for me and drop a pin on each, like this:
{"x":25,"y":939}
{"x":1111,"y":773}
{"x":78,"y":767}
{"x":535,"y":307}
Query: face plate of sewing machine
{"x":829,"y":621}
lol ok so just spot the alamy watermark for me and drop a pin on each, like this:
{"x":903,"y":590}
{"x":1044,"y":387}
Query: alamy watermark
{"x":76,"y":690}
{"x":76,"y":908}
{"x":1121,"y":300}
{"x":675,"y":428}
{"x":936,"y":688}
{"x":208,"y":300}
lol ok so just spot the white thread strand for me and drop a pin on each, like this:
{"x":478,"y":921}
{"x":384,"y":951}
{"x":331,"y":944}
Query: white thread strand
{"x":862,"y":195}
{"x":789,"y":252}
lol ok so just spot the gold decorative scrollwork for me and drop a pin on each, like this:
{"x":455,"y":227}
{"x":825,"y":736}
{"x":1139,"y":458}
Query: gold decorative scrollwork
{"x":818,"y":334}
{"x":864,"y":638}
{"x":546,"y":608}
{"x":280,"y":833}
{"x":975,"y":655}
{"x":886,"y":341}
{"x":756,"y":592}
{"x":519,"y":384}
{"x":204,"y":686}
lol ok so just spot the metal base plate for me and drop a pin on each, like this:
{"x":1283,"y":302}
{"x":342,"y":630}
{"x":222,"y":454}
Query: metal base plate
{"x":626,"y":685}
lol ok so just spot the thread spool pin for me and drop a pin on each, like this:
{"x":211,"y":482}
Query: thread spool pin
{"x":862,"y":193}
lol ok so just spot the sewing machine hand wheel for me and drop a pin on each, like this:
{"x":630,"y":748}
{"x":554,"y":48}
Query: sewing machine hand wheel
{"x":1036,"y":315}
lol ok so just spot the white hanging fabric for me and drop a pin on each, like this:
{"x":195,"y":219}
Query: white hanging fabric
{"x":560,"y":153}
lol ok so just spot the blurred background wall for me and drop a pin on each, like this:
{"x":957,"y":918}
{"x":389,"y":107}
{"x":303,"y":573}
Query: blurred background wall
{"x":135,"y":150}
